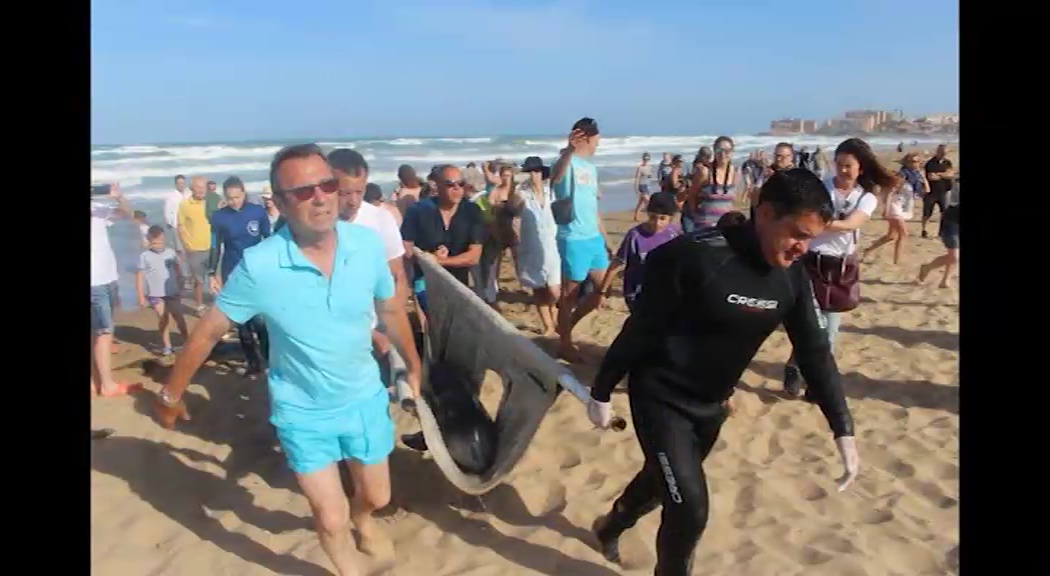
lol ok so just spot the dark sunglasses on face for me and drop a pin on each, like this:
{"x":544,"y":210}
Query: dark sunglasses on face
{"x":304,"y":193}
{"x":459,"y":183}
{"x":724,"y":149}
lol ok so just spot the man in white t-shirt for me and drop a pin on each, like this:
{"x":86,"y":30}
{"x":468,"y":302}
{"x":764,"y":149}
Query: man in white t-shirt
{"x":351,"y":169}
{"x":853,"y":207}
{"x":104,"y":293}
{"x":171,"y":212}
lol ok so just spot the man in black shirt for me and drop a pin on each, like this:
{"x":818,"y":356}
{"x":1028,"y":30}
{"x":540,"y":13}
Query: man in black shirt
{"x":708,"y":301}
{"x":449,"y":228}
{"x":939,"y":172}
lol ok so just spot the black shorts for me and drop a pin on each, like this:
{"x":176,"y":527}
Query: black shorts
{"x":938,"y":199}
{"x":949,"y":230}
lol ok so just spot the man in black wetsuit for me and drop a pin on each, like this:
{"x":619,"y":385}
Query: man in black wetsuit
{"x":709,"y":300}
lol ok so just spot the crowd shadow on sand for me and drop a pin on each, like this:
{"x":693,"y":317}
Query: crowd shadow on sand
{"x":235,"y":415}
{"x":182,"y":493}
{"x":904,"y":393}
{"x":909,"y":337}
{"x":409,"y":470}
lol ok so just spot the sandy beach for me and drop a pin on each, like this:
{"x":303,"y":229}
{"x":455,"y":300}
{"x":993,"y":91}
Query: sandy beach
{"x":215,"y":495}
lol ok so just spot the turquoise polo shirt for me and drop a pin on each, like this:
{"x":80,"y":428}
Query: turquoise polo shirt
{"x":581,"y":182}
{"x":321,"y":363}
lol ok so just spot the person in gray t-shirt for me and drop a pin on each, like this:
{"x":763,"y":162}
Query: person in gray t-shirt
{"x":157,"y":282}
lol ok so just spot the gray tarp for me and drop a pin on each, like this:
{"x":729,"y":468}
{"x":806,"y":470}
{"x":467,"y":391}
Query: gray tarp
{"x":464,"y":331}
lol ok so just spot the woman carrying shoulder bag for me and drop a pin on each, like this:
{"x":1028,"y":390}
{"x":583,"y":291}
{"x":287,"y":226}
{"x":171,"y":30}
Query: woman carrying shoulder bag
{"x":831,"y":259}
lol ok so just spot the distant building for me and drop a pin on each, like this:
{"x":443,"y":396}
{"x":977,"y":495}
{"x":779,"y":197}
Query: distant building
{"x":793,"y":126}
{"x":940,"y":119}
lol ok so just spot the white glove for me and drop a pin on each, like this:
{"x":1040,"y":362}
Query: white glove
{"x":847,"y":446}
{"x":600,"y":413}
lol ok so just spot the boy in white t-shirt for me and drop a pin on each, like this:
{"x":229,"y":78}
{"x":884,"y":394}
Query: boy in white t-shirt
{"x":157,"y":283}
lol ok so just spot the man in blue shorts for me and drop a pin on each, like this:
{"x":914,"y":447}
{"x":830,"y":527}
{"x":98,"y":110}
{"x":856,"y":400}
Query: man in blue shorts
{"x":316,"y":283}
{"x":581,"y":241}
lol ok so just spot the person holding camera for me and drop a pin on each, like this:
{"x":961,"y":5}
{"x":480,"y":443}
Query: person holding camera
{"x":104,"y":293}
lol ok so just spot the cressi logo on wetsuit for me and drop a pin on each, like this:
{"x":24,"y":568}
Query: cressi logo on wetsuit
{"x":752,"y":303}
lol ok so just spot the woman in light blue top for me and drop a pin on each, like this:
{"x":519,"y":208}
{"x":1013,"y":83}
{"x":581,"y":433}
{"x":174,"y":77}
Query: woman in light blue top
{"x":537,"y":258}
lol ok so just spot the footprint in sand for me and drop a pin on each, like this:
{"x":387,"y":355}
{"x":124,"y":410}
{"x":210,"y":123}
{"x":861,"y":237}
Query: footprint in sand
{"x":775,"y":449}
{"x":834,"y":543}
{"x":900,"y":468}
{"x":876,"y":516}
{"x":934,"y":494}
{"x":812,"y":492}
{"x":595,"y":480}
{"x":568,"y":458}
{"x":810,"y":556}
{"x":544,"y":501}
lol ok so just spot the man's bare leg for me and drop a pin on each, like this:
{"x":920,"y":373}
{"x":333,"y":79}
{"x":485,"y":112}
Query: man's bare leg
{"x":324,"y":491}
{"x":591,"y":302}
{"x":101,"y":351}
{"x":566,"y":350}
{"x":371,"y":492}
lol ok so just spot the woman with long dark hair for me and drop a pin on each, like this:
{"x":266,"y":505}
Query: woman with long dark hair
{"x":831,"y":258}
{"x":712,"y":194}
{"x":408,"y":190}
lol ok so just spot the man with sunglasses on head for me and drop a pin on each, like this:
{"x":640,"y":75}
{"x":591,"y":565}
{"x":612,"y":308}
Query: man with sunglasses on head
{"x":316,"y":283}
{"x":585,"y":253}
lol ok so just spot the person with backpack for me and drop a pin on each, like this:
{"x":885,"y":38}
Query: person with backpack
{"x":639,"y":241}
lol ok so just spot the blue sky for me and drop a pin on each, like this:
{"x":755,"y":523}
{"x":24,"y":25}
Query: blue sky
{"x":196,"y":71}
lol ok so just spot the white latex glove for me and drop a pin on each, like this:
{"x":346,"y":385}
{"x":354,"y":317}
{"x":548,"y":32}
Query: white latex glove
{"x":600,"y":413}
{"x":847,"y":446}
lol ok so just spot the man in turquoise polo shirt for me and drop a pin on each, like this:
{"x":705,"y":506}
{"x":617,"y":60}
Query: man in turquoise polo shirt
{"x":581,"y":242}
{"x":316,"y":283}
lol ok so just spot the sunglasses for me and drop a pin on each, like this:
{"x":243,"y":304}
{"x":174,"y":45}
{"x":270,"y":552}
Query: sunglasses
{"x":304,"y":193}
{"x":451,"y":183}
{"x":724,"y":149}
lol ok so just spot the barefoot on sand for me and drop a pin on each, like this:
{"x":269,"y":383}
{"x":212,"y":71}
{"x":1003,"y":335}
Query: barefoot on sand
{"x":377,"y":546}
{"x":924,"y":272}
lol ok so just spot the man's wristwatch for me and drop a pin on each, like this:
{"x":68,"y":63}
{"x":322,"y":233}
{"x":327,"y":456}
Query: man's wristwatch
{"x":167,"y":399}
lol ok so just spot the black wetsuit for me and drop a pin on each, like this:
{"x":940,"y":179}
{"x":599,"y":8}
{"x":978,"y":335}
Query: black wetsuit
{"x":708,"y":302}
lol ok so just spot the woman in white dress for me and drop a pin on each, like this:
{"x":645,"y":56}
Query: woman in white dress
{"x":898,"y":204}
{"x":538,"y":263}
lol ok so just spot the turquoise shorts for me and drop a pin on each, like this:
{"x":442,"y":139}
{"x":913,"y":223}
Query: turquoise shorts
{"x":579,"y":257}
{"x":367,"y":436}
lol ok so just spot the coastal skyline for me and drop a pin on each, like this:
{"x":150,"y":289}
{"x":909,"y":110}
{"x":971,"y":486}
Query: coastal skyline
{"x":251,"y":71}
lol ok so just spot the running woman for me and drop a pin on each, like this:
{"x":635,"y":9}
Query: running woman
{"x":898,"y":204}
{"x":643,"y":179}
{"x":709,"y":300}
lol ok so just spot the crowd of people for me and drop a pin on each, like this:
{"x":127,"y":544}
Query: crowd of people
{"x":316,"y":281}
